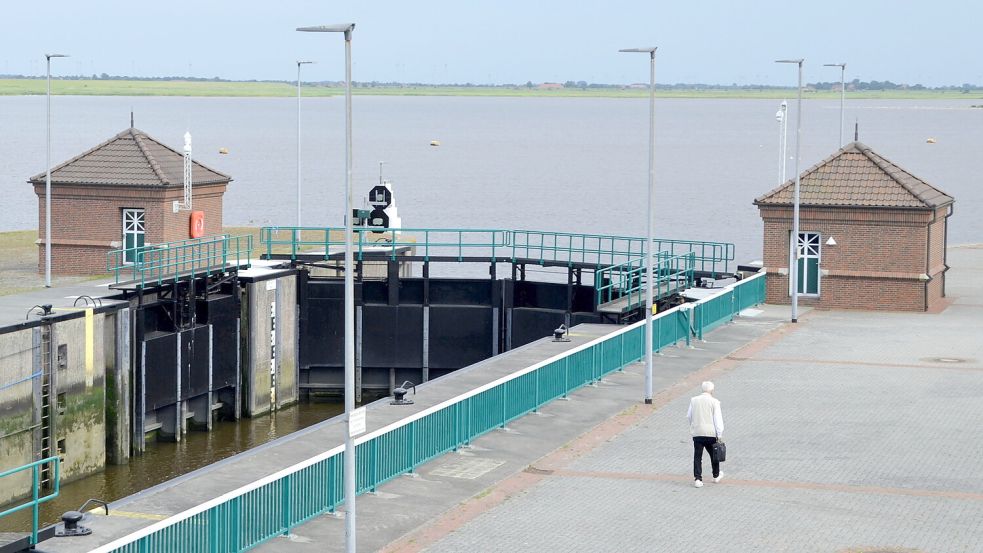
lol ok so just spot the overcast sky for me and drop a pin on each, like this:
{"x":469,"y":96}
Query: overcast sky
{"x":502,"y":41}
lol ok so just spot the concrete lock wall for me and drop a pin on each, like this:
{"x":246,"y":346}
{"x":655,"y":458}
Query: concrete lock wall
{"x":80,"y":427}
{"x":19,"y":360}
{"x":270,"y":343}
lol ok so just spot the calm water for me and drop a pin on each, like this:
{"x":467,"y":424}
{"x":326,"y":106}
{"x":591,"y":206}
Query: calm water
{"x":546,"y":163}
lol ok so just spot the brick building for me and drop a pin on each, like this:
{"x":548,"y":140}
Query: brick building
{"x":871,"y":235}
{"x":121,"y":194}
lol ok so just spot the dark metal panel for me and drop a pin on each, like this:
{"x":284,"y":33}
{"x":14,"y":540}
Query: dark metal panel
{"x":392,"y":336}
{"x":197,"y":362}
{"x":222,"y":312}
{"x":460,"y":291}
{"x":530,"y":324}
{"x":459,"y":335}
{"x":161,"y":369}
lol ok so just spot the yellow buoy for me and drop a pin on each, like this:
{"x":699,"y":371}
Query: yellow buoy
{"x":930,"y":141}
{"x":223,"y":150}
{"x":435,"y":143}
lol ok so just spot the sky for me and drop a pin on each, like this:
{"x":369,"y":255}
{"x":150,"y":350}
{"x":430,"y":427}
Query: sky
{"x":502,"y":41}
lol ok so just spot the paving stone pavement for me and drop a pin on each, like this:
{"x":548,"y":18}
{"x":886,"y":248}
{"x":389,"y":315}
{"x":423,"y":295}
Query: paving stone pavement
{"x":855,"y":431}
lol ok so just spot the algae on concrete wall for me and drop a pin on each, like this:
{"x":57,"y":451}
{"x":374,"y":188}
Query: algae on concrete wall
{"x":17,"y":375}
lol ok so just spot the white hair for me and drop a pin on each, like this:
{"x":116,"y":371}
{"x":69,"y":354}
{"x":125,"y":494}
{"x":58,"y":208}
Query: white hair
{"x":707,"y":386}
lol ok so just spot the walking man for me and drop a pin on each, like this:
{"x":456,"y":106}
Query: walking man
{"x":706,"y":423}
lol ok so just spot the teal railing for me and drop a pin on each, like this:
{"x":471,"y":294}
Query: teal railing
{"x":527,"y":245}
{"x":156,"y":263}
{"x":36,"y":499}
{"x":627,"y":280}
{"x":261,"y":510}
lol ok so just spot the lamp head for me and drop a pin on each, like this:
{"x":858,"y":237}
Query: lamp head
{"x":299,"y":62}
{"x":346,"y":28}
{"x":49,"y":56}
{"x":798,"y":61}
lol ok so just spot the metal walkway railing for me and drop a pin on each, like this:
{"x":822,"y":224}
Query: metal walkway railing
{"x":530,"y":246}
{"x":36,"y":499}
{"x":273,"y":505}
{"x":157,"y":263}
{"x":626,"y":281}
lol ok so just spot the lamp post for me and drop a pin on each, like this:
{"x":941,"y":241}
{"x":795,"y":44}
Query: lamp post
{"x":47,"y":177}
{"x":794,"y":239}
{"x":299,"y":63}
{"x":349,"y":460}
{"x":842,"y":67}
{"x":649,"y":222}
{"x":782,"y":116}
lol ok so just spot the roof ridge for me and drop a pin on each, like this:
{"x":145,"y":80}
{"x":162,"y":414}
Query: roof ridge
{"x":892,"y":169}
{"x":138,"y":136}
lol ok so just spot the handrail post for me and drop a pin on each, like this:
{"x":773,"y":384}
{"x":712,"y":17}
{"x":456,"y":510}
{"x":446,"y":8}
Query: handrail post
{"x":35,"y":484}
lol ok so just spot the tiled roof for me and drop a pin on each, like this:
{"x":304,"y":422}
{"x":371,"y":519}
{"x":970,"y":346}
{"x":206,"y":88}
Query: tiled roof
{"x":131,"y":158}
{"x":856,"y":176}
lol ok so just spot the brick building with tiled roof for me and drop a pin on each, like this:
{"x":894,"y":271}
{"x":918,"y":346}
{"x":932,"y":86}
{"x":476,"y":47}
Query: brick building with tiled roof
{"x":871,"y":235}
{"x":119,"y":194}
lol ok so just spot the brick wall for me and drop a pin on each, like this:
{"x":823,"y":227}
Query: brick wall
{"x":878,"y":262}
{"x":88,"y":221}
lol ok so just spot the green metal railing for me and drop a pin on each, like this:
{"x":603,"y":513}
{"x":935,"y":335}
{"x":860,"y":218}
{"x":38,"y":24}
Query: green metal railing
{"x":35,"y":499}
{"x":526,"y":245}
{"x":157,"y":263}
{"x":272,"y":506}
{"x":627,"y":280}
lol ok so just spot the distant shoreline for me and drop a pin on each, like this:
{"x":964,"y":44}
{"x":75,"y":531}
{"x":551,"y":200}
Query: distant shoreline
{"x":230,"y":89}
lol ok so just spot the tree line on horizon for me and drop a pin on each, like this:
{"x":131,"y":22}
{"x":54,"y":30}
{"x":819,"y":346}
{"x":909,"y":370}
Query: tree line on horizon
{"x":854,"y":85}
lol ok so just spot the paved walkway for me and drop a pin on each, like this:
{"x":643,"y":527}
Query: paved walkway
{"x":848,"y":432}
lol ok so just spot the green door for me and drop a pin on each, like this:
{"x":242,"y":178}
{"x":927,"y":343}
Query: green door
{"x":134,"y":229}
{"x":808,"y":268}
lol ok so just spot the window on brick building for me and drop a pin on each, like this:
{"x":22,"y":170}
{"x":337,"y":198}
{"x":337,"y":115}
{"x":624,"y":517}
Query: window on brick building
{"x":134,"y":229}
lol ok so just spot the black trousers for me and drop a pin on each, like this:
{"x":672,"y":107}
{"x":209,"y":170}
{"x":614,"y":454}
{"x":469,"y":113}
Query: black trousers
{"x":699,"y":444}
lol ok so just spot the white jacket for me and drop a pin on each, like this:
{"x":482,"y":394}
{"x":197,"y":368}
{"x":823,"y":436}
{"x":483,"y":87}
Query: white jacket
{"x":705,"y":418}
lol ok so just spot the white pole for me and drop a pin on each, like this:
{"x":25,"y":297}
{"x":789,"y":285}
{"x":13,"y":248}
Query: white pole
{"x":298,"y":143}
{"x":349,"y":468}
{"x":784,"y":142}
{"x":842,"y":98}
{"x":47,"y":183}
{"x":794,"y":272}
{"x":650,"y":224}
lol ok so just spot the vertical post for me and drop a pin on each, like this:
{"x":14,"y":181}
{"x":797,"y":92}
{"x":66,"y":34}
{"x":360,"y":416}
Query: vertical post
{"x":349,"y":475}
{"x":298,"y":147}
{"x":842,"y":98}
{"x":650,"y":223}
{"x":794,"y":272}
{"x":47,"y":180}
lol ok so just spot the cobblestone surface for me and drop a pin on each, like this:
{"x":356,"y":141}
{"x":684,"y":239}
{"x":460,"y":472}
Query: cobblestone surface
{"x":848,"y":434}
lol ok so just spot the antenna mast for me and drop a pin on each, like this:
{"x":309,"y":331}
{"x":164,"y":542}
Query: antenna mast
{"x":186,"y":204}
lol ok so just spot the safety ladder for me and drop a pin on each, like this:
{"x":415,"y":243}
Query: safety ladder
{"x":47,"y":409}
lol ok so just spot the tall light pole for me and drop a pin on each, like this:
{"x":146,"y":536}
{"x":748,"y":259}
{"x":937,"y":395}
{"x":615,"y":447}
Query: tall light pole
{"x":649,"y":222}
{"x":299,"y":63}
{"x":842,"y":67}
{"x":782,"y":116}
{"x":47,"y":177}
{"x":349,"y":462}
{"x":794,"y":239}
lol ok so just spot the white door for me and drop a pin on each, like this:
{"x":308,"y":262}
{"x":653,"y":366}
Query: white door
{"x":134,"y":229}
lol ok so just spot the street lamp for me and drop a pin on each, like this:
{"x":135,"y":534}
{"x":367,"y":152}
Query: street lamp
{"x":794,"y":239}
{"x":782,"y":116}
{"x":649,"y":223}
{"x":842,"y":67}
{"x":47,"y":178}
{"x":299,"y":63}
{"x":349,"y":461}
